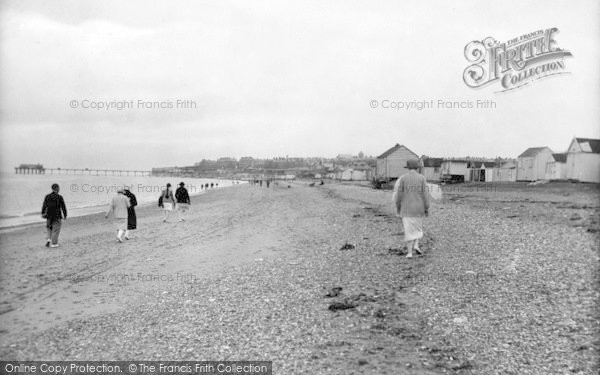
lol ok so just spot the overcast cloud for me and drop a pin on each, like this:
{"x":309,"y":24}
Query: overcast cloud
{"x":276,"y":78}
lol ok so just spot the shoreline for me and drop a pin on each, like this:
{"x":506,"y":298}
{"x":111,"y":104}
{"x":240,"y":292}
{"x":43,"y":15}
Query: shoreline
{"x":84,"y":211}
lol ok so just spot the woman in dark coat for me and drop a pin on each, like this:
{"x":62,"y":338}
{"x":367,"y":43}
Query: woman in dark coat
{"x":131,"y":218}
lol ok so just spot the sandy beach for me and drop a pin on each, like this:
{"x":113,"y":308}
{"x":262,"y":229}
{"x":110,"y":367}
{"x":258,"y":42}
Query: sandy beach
{"x":508,"y":283}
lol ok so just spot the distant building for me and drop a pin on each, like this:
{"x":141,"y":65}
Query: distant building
{"x":492,"y":170}
{"x":360,"y":164}
{"x":226,"y":163}
{"x":431,"y":168}
{"x":207,"y":165}
{"x":246,"y":162}
{"x":531,"y":164}
{"x":168,"y":171}
{"x":328,"y":166}
{"x":506,"y":171}
{"x":583,"y":160}
{"x":455,"y":169}
{"x":392,"y":163}
{"x":479,"y":171}
{"x":284,"y":163}
{"x":353,"y":175}
{"x":556,"y":169}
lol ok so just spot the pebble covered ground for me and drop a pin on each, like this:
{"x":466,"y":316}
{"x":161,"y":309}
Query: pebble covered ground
{"x":508,"y":284}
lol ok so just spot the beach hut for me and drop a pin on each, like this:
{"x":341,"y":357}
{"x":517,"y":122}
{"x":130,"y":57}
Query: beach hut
{"x":455,"y":170}
{"x":353,"y":175}
{"x":346,"y":175}
{"x":392,"y":163}
{"x":478,"y":172}
{"x":556,"y":169}
{"x":531,"y":164}
{"x":506,"y":172}
{"x":583,"y":160}
{"x":490,"y":168}
{"x":431,"y":168}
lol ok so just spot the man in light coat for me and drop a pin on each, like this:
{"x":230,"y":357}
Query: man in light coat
{"x":411,"y":202}
{"x":118,"y":207}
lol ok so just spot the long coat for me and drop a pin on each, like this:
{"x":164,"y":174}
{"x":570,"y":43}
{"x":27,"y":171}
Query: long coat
{"x":182,"y":195}
{"x":131,"y":218}
{"x":411,"y":196}
{"x":54,"y":207}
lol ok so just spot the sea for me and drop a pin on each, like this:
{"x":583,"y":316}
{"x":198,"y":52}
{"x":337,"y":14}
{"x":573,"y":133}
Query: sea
{"x":22,"y":195}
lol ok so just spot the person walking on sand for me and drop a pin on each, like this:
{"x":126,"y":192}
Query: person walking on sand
{"x":131,"y":217}
{"x":53,"y":210}
{"x":119,"y":208}
{"x":168,"y":202}
{"x":183,"y":200}
{"x":411,"y":202}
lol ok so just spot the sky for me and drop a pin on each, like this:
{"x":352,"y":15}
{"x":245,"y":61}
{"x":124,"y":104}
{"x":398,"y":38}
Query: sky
{"x":279,"y":78}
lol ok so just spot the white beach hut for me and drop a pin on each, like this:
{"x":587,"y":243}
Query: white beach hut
{"x":556,"y":169}
{"x":583,"y":160}
{"x":531,"y":164}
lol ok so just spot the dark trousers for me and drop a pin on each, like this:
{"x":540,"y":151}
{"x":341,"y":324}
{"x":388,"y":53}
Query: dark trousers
{"x":53,"y":230}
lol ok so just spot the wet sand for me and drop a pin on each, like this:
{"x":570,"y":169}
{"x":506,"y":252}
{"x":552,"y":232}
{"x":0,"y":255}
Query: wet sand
{"x":90,"y":273}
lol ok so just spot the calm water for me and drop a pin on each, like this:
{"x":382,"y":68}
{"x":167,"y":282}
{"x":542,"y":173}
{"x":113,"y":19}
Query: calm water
{"x":21,"y":196}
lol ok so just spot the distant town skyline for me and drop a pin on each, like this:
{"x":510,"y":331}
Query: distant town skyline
{"x":238,"y":159}
{"x":87,"y":85}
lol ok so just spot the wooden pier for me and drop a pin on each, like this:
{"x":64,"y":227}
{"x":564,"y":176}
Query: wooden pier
{"x":39,"y":169}
{"x":30,"y":169}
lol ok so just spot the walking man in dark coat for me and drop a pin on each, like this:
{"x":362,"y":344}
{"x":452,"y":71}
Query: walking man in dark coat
{"x":131,"y":218}
{"x":183,"y":201}
{"x":53,"y":210}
